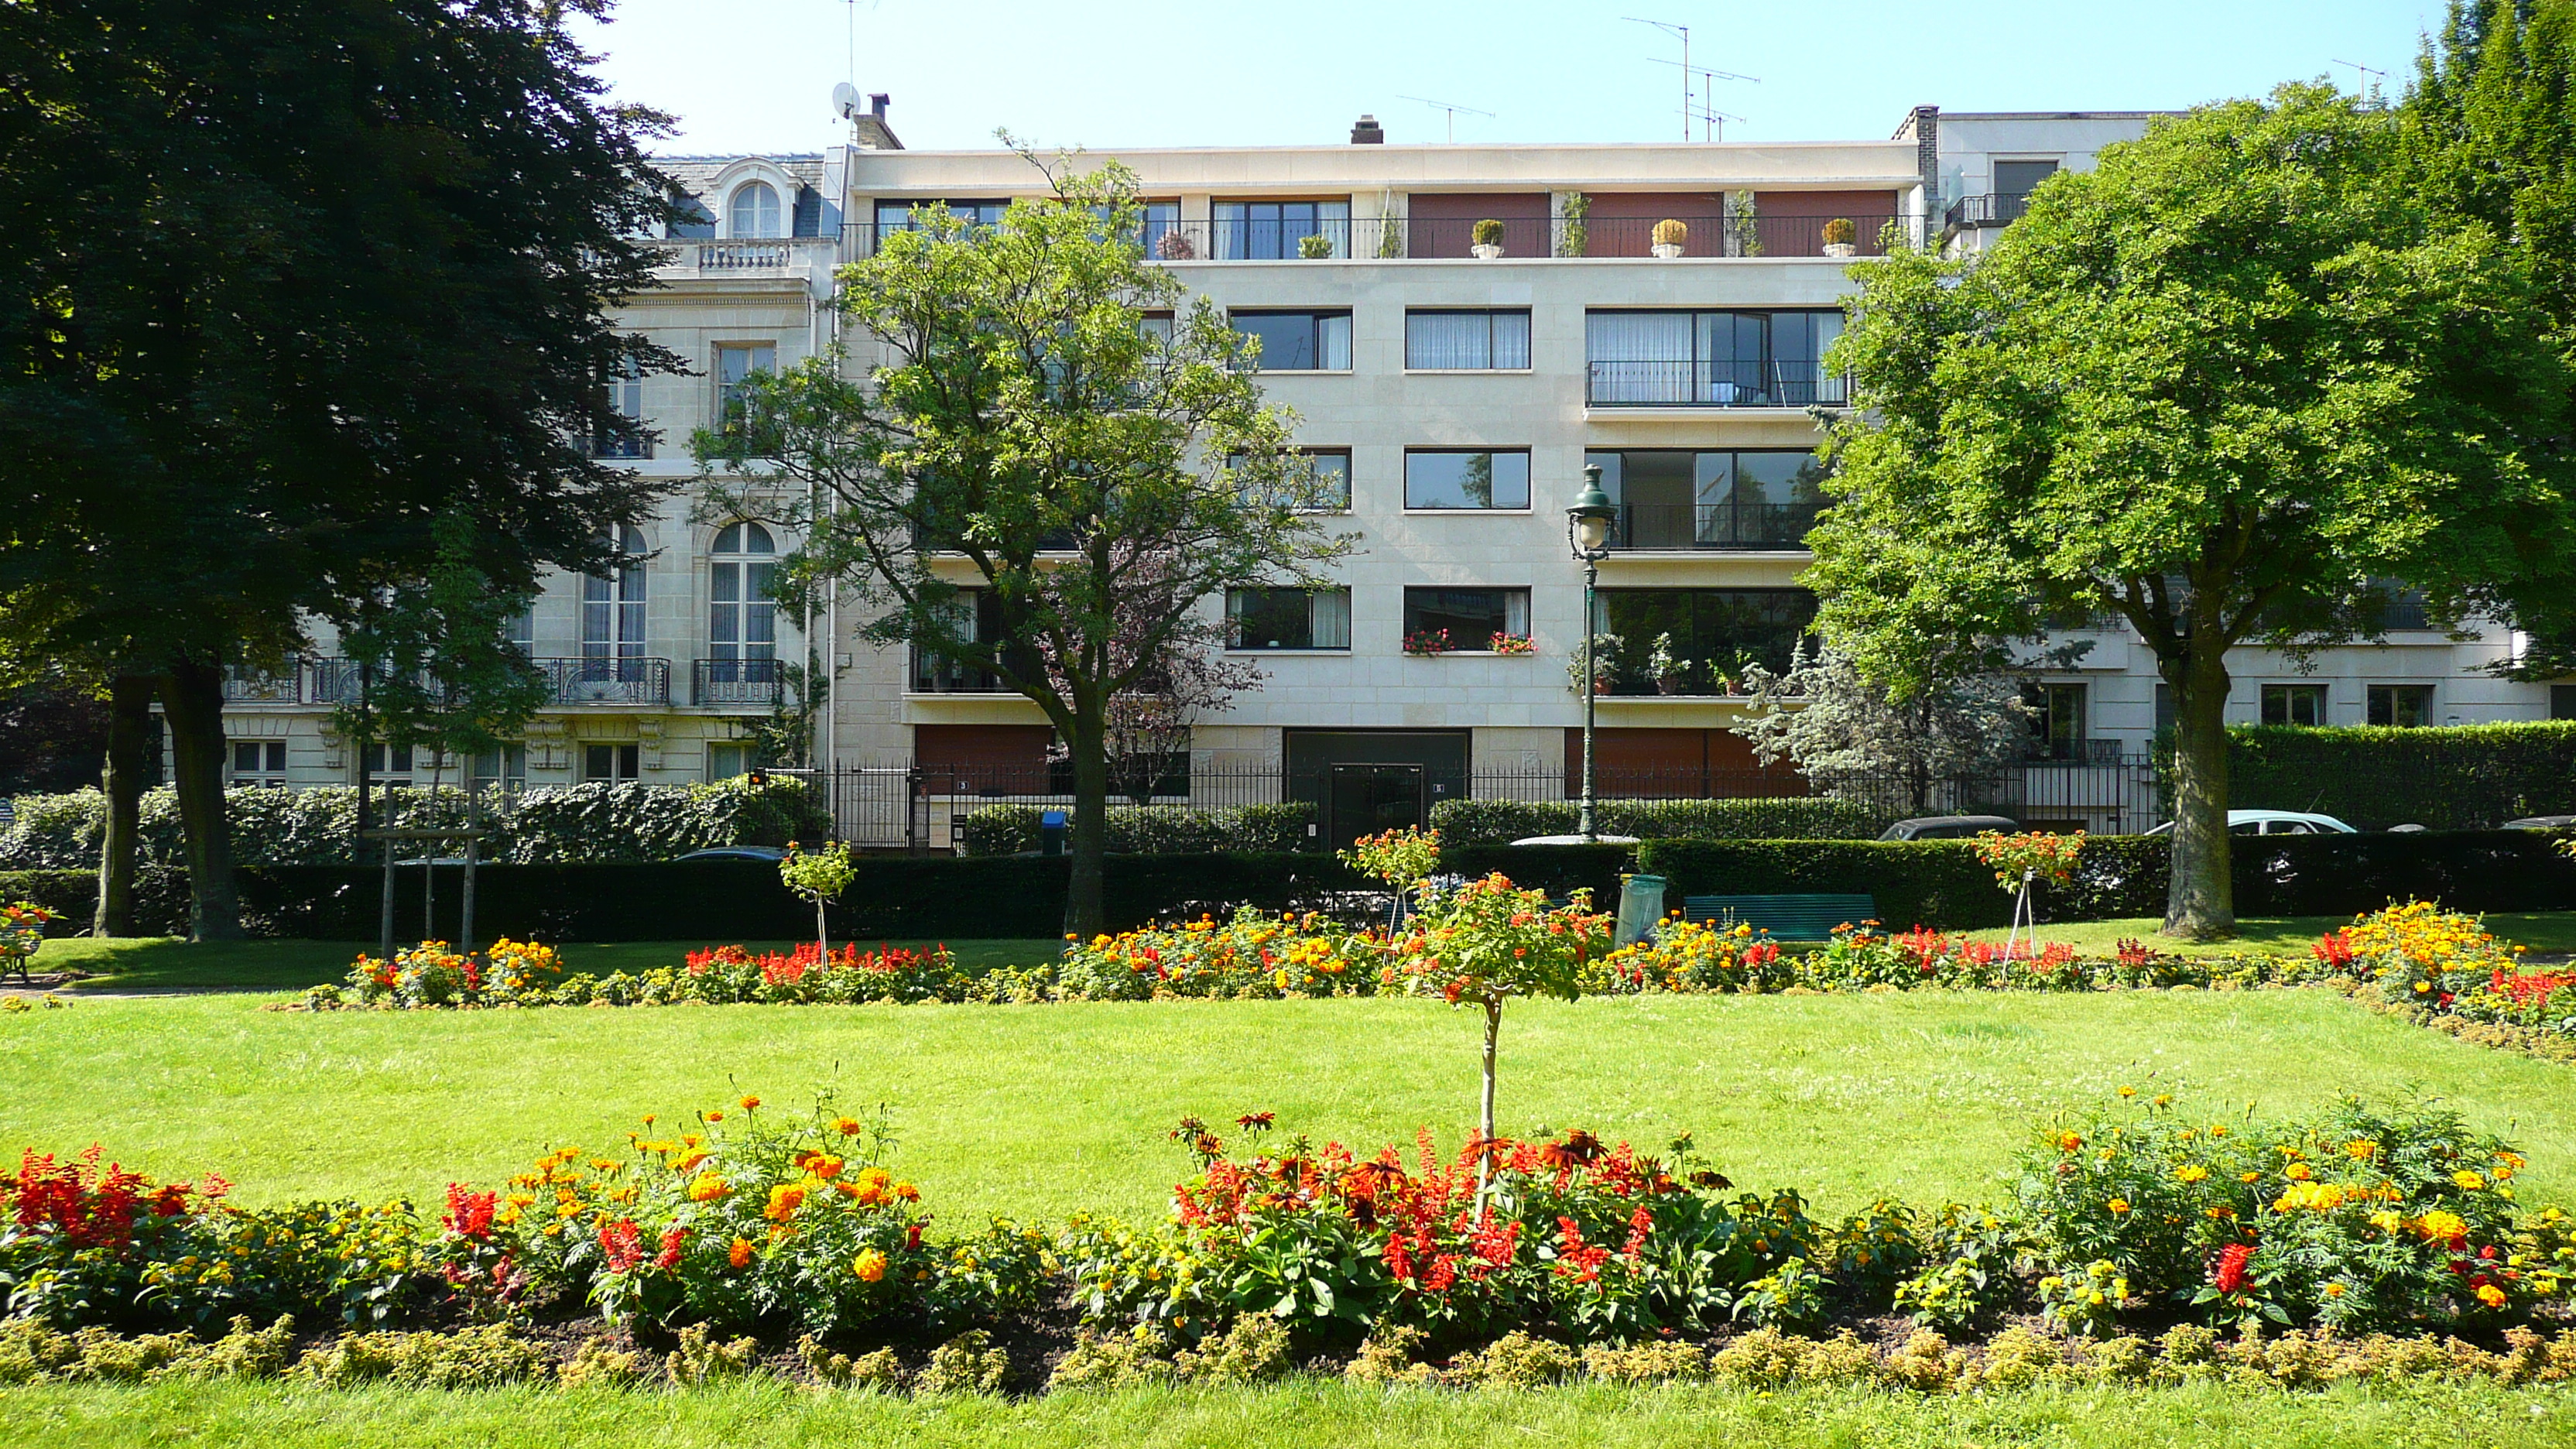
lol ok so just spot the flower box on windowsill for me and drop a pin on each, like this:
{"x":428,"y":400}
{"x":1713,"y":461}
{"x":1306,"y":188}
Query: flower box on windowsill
{"x":1513,"y":644}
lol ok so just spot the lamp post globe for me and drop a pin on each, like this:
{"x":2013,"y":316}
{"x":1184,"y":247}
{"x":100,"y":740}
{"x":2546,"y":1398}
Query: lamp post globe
{"x":1587,"y":532}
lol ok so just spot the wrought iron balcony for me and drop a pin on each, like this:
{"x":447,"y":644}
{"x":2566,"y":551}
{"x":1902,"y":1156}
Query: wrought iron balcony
{"x":630,"y":680}
{"x":740,"y":683}
{"x":1650,"y":526}
{"x":245,"y":685}
{"x":1703,"y":383}
{"x":1995,"y":208}
{"x":1524,"y":238}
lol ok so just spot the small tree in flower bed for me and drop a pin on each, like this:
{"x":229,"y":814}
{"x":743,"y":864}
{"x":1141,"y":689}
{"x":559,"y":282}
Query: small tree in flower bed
{"x":1489,"y":941}
{"x":1595,"y":1240}
{"x":819,"y":876}
{"x":2021,"y":861}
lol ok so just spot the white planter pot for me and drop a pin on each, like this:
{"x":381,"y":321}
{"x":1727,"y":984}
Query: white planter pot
{"x":1484,"y":252}
{"x":1667,"y":250}
{"x":1841,"y":249}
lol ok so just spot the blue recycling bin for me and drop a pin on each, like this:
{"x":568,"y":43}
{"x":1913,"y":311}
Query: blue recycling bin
{"x":1051,"y":833}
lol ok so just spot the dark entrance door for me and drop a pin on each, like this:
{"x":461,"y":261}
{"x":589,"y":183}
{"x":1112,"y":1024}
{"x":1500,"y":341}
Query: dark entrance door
{"x":1370,"y":800}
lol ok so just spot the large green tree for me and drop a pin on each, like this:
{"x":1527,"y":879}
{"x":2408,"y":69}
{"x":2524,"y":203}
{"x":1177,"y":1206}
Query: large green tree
{"x":1027,"y":437}
{"x":287,"y":282}
{"x":2223,"y":388}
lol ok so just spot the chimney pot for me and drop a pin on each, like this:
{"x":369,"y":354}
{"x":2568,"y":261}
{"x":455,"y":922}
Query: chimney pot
{"x":877,"y":102}
{"x":1368,"y":132}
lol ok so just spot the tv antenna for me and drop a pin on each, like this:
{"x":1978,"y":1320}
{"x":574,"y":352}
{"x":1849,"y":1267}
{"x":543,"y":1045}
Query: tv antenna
{"x":1713,"y":121}
{"x":1673,"y":28}
{"x":2361,"y":79}
{"x":1452,"y":108}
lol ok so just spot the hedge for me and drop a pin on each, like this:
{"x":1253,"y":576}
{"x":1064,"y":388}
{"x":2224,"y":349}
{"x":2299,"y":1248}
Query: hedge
{"x":1153,"y":829}
{"x":2458,"y":777}
{"x":1805,"y":817}
{"x":593,"y":822}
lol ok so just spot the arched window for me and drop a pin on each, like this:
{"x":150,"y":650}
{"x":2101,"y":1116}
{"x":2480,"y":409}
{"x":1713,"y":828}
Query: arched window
{"x":742,"y":620}
{"x":612,"y":609}
{"x":755,"y":210}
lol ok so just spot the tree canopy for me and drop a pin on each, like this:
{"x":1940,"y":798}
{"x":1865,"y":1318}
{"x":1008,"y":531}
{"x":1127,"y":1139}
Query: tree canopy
{"x":2231,"y":387}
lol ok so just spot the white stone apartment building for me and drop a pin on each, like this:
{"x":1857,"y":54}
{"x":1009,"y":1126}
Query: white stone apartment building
{"x":1460,"y":394}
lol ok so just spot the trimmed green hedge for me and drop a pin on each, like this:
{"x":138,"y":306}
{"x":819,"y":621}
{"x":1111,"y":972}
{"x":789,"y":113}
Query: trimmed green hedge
{"x":1153,"y":829}
{"x":1807,"y":817}
{"x":2458,"y":777}
{"x":160,"y":898}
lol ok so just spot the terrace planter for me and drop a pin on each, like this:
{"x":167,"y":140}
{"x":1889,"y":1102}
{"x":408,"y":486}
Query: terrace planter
{"x":1485,"y":251}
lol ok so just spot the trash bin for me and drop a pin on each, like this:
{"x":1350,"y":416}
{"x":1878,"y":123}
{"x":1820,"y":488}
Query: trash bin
{"x":1641,"y":905}
{"x":1051,"y":834}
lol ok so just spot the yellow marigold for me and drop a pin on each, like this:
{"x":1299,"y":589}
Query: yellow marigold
{"x":707,"y":1187}
{"x":2298,"y":1172}
{"x":2388,"y":1220}
{"x":2119,"y":1205}
{"x":784,"y":1200}
{"x":684,"y":1166}
{"x":2249,"y":1177}
{"x":2440,"y":1225}
{"x":2490,"y":1295}
{"x":2191,"y":1172}
{"x":2334,"y":1290}
{"x":870,"y":1265}
{"x":2312,"y":1196}
{"x":739,"y":1255}
{"x":2361,"y":1149}
{"x":2468,"y":1181}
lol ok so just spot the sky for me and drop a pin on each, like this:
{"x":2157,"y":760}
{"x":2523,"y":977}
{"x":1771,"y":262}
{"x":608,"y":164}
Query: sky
{"x":757,"y":75}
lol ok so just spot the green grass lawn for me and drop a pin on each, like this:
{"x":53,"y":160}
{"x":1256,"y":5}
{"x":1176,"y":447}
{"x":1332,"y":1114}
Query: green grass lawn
{"x":153,"y":963}
{"x":1040,"y":1111}
{"x":2552,"y":931}
{"x":1298,"y":1413}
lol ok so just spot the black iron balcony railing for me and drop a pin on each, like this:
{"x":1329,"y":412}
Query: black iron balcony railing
{"x":1683,"y":382}
{"x":932,"y":674}
{"x":621,"y":447}
{"x":629,"y":680}
{"x":1995,"y":208}
{"x":1712,"y":525}
{"x":337,"y":681}
{"x":1526,"y":238}
{"x":752,"y":683}
{"x":245,"y":685}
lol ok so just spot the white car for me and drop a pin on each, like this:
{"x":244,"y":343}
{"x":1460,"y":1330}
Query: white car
{"x":2275,"y":822}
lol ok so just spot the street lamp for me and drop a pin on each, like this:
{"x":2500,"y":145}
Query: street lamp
{"x":1587,"y":532}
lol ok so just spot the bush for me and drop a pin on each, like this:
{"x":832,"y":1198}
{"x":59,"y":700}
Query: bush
{"x":2459,"y":777}
{"x":1933,"y":881}
{"x":1152,"y":829}
{"x":1812,"y":817}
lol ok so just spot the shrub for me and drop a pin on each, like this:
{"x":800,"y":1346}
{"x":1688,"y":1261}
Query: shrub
{"x":469,"y":1358}
{"x":1252,"y":955}
{"x":1151,"y":829}
{"x":2460,"y":777}
{"x":1809,"y":817}
{"x":1936,"y":881}
{"x":966,"y":1364}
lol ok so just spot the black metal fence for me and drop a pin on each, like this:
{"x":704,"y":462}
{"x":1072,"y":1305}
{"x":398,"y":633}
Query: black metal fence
{"x":921,"y":808}
{"x":1265,"y":238}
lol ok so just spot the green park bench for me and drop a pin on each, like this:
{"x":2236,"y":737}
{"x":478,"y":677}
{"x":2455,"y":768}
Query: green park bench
{"x":1786,"y":917}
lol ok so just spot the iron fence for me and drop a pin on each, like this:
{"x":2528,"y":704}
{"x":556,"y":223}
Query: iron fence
{"x":1407,"y":238}
{"x":916,"y":807}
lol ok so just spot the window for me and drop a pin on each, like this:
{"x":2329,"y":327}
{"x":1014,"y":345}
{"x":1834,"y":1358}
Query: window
{"x":695,"y":221}
{"x":1299,"y":341}
{"x":506,"y":767}
{"x":742,"y":619}
{"x":2059,"y":719}
{"x":613,"y":763}
{"x":1711,"y":359}
{"x":1714,"y":633}
{"x":898,"y":215}
{"x":1472,"y":617}
{"x":2562,"y":701}
{"x":2401,"y":706}
{"x":612,"y":609}
{"x":736,"y":361}
{"x":388,"y":764}
{"x":755,"y":210}
{"x":726,"y":762}
{"x":1276,"y":230}
{"x":626,"y":399}
{"x":975,"y":617}
{"x":1753,"y":498}
{"x":2017,"y":179}
{"x":1454,"y":478}
{"x":2294,"y":704}
{"x":1464,"y":341}
{"x":521,"y":629}
{"x":1331,"y":485}
{"x":259,"y":762}
{"x":1288,"y":618}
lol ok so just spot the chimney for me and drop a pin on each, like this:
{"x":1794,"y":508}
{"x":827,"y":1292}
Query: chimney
{"x":877,"y":103}
{"x":1367,"y":132}
{"x":871,"y":131}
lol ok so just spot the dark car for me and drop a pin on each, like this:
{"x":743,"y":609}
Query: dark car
{"x":1947,"y":827}
{"x":768,"y":853}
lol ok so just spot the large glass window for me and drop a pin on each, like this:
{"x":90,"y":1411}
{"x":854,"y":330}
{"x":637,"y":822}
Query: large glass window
{"x":1464,"y":478}
{"x":626,"y":399}
{"x":2294,"y":704}
{"x":1288,"y":618}
{"x":612,"y":608}
{"x":2401,"y":706}
{"x":1277,"y":230}
{"x":611,"y":763}
{"x":1299,"y":341}
{"x":1330,"y":490}
{"x":2057,"y":719}
{"x":259,"y":762}
{"x":1470,"y":617}
{"x":1706,"y":636}
{"x":975,"y":616}
{"x":1711,"y":359}
{"x":735,"y":362}
{"x":755,"y":210}
{"x":1460,"y":341}
{"x":388,"y":765}
{"x":742,"y":618}
{"x":898,"y":215}
{"x":1735,"y":498}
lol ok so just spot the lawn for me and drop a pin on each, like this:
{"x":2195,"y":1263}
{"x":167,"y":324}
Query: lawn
{"x":2545,"y":931}
{"x":1041,"y":1111}
{"x":156,"y":963}
{"x":1298,"y":1413}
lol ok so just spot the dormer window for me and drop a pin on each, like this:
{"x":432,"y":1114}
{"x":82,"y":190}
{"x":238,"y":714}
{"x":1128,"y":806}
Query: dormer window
{"x":754,"y":211}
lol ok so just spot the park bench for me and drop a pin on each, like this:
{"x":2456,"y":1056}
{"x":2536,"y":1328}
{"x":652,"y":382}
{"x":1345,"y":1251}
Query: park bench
{"x":1786,"y":917}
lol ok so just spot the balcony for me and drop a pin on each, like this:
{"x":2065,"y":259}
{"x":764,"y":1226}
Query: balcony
{"x":621,"y":448}
{"x":1995,"y":208}
{"x":1687,"y":526}
{"x":1398,"y":238}
{"x":1688,"y":383}
{"x":737,"y":683}
{"x":243,"y":685}
{"x":622,"y":681}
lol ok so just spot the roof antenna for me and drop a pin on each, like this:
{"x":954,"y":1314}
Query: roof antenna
{"x":1671,"y":28}
{"x":1453,"y":111}
{"x":2362,"y":83}
{"x":1714,"y":120}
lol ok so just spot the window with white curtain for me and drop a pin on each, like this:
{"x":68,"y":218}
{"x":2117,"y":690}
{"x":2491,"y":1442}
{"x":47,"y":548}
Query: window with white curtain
{"x":1722,"y":359}
{"x":1288,"y":618}
{"x":755,"y":210}
{"x":612,"y":608}
{"x":1470,"y":617}
{"x":1463,"y":341}
{"x":742,"y":618}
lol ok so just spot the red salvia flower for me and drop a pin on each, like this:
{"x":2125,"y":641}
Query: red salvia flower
{"x":2231,"y":1266}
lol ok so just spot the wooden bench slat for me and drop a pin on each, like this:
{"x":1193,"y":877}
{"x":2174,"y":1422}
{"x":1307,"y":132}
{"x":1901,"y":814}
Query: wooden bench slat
{"x":1801,"y":917}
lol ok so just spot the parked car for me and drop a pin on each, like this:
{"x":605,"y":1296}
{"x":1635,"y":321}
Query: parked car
{"x":2275,"y":822}
{"x":769,"y":853}
{"x":1947,"y":827}
{"x":2541,"y":822}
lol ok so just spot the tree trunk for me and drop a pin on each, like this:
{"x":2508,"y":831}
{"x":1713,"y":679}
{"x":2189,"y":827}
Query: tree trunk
{"x":192,"y":696}
{"x":1485,"y":1119}
{"x":129,"y":738}
{"x":2200,"y":902}
{"x":1085,"y":912}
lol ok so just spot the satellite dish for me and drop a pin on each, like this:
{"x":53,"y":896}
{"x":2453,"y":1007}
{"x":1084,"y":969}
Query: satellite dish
{"x":845,"y":100}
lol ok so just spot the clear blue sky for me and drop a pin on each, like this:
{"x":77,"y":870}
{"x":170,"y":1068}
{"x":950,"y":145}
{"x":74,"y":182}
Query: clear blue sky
{"x":757,"y":75}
